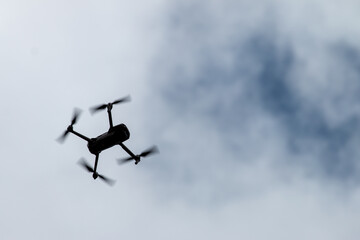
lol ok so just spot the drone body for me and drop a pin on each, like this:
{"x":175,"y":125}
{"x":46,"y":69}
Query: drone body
{"x":116,"y":135}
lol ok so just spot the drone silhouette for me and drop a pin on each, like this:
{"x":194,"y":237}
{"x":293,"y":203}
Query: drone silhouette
{"x":116,"y":135}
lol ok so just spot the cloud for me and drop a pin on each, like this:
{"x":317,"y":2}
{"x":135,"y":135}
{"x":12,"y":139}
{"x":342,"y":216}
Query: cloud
{"x":225,"y":72}
{"x":262,"y":97}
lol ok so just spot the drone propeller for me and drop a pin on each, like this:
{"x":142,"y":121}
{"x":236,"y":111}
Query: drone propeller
{"x":145,"y":153}
{"x":74,"y":119}
{"x":85,"y":165}
{"x":104,"y":106}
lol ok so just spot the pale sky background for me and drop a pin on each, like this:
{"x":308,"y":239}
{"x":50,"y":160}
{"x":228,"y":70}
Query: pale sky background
{"x":254,"y":105}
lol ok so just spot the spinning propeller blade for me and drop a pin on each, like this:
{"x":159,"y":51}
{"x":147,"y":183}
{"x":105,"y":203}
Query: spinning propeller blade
{"x":107,"y":180}
{"x":124,"y":160}
{"x":124,"y":99}
{"x":87,"y":167}
{"x":97,"y":108}
{"x":150,"y":151}
{"x":145,"y":153}
{"x":76,"y":115}
{"x":74,"y":119}
{"x":104,"y":106}
{"x":61,"y":139}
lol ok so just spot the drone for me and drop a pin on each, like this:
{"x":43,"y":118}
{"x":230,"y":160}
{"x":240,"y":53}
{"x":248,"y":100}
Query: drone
{"x":116,"y":135}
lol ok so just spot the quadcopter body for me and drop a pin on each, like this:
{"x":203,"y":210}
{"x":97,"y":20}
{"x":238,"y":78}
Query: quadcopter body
{"x":116,"y":135}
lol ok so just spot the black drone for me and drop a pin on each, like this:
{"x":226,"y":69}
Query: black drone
{"x":116,"y":135}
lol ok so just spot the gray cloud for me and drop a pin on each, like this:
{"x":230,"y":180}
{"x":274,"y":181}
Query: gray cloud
{"x":219,"y":72}
{"x":277,"y":91}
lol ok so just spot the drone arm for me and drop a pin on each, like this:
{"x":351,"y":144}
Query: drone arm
{"x":136,"y":158}
{"x":109,"y":114}
{"x":95,"y":174}
{"x":79,"y":135}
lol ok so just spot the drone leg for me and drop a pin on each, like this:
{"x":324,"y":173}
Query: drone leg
{"x":95,"y":174}
{"x":109,"y":115}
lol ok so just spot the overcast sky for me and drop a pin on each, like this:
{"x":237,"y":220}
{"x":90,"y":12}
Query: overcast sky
{"x":254,"y":106}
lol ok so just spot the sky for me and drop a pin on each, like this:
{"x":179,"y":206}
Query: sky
{"x":254,"y":106}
